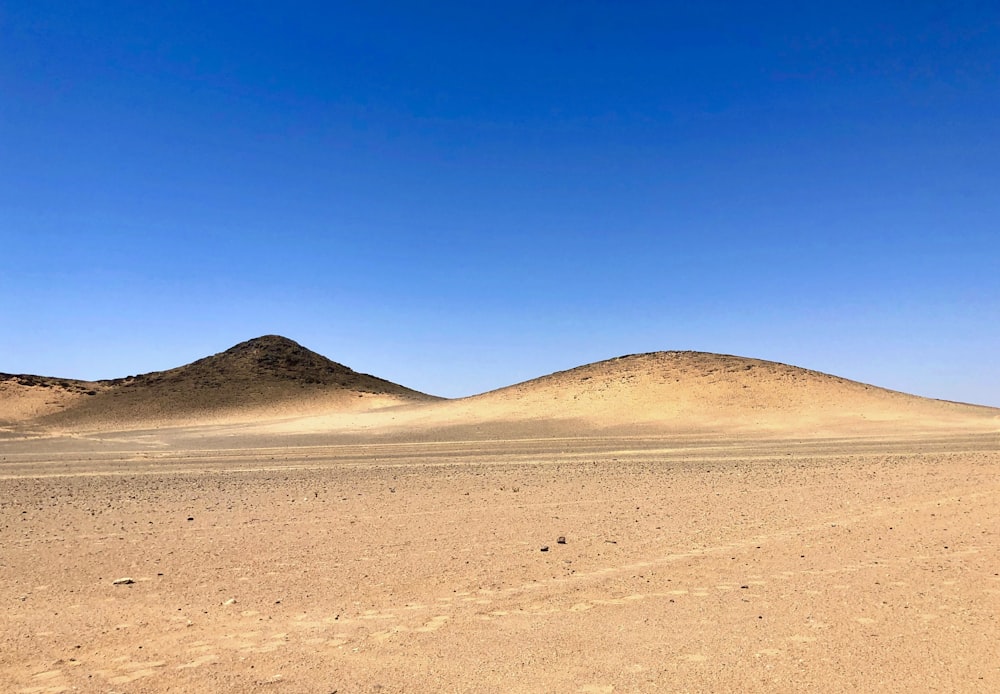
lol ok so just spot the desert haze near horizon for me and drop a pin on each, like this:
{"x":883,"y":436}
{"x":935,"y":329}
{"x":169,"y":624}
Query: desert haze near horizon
{"x":266,"y":519}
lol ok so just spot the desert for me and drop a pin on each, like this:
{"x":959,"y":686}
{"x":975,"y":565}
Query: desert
{"x":266,"y":519}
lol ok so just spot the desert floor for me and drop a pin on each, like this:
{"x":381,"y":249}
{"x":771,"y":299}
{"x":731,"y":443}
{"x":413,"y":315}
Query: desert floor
{"x":689,"y":564}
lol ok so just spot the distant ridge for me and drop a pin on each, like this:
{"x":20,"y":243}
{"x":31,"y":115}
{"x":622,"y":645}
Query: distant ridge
{"x":255,"y":375}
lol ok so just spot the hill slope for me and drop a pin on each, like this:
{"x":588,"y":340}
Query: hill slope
{"x":269,"y":375}
{"x":24,"y":397}
{"x":700,"y":392}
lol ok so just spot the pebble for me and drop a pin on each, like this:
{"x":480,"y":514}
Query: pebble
{"x":561,"y":540}
{"x":122,"y":582}
{"x":545,"y":548}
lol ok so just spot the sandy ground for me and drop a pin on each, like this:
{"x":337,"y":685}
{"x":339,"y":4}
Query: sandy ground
{"x":690,"y":563}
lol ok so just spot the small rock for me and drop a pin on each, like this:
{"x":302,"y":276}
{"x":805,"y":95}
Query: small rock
{"x":561,"y":540}
{"x":122,"y":582}
{"x":230,"y":601}
{"x":545,"y":548}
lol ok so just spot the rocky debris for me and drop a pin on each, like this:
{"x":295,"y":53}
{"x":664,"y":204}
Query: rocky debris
{"x":122,"y":582}
{"x":545,"y":548}
{"x":561,"y":540}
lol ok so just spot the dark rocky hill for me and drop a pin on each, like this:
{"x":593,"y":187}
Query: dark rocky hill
{"x":258,"y":373}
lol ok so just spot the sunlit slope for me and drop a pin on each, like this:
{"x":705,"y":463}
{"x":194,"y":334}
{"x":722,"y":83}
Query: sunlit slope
{"x":700,"y":392}
{"x":697,"y":387}
{"x":26,"y":397}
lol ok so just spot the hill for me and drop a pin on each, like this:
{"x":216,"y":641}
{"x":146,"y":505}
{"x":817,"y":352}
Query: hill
{"x":711,"y":391}
{"x":262,"y":377}
{"x":678,"y":393}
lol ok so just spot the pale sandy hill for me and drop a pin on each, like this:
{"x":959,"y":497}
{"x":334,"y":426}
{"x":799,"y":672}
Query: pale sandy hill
{"x":665,"y":392}
{"x":265,"y":377}
{"x":712,"y":391}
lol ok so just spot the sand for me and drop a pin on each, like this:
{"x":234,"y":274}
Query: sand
{"x":416,"y":547}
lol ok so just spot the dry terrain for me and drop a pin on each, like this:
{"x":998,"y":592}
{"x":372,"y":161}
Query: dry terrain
{"x":667,"y":522}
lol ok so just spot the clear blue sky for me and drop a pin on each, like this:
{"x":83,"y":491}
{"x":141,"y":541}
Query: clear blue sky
{"x":459,"y":196}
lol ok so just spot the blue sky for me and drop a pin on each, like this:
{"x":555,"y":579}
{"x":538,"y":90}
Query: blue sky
{"x":459,"y":196}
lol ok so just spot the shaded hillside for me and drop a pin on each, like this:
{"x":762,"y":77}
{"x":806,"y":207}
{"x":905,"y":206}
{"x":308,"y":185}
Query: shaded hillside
{"x":256,"y":375}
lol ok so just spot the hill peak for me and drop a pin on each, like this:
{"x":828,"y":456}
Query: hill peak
{"x":274,"y":356}
{"x":267,"y":343}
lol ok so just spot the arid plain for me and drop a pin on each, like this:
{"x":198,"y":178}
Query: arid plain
{"x":267,"y":520}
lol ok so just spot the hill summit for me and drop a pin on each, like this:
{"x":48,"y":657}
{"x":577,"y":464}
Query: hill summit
{"x":270,"y":358}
